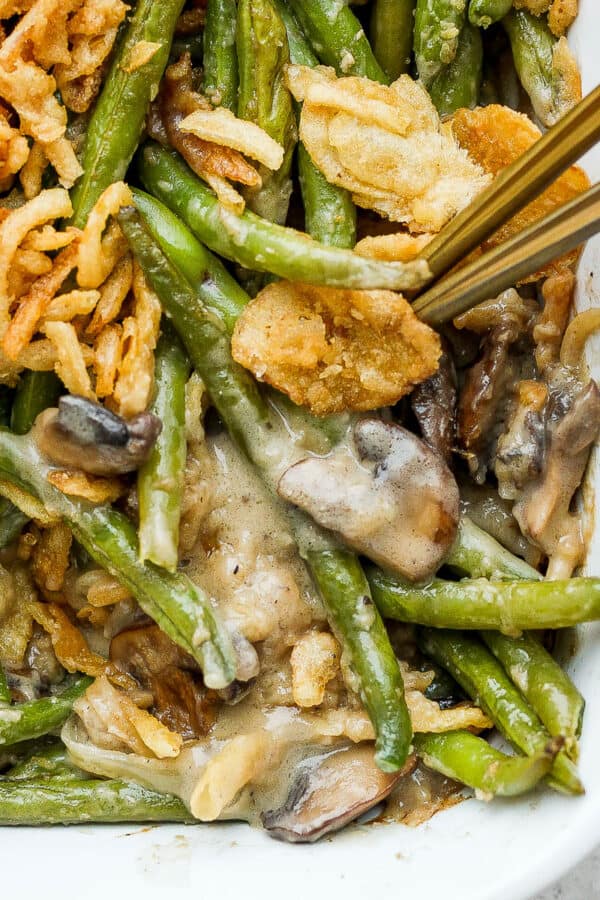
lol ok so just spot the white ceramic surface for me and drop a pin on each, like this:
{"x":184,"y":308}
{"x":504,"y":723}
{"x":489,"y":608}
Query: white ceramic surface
{"x":501,"y":851}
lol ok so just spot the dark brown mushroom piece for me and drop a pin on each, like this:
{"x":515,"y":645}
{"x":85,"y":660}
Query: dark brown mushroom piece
{"x":433,"y":403}
{"x":390,"y":496}
{"x":180,"y":699}
{"x":543,"y":510}
{"x":521,"y":448}
{"x":484,"y":506}
{"x":330,"y":791}
{"x":488,"y":384}
{"x":84,"y":435}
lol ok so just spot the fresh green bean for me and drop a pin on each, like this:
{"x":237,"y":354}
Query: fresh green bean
{"x":438,"y":24}
{"x":472,"y":665}
{"x":249,"y":419}
{"x":533,"y":46}
{"x":392,"y":25}
{"x":160,"y":479}
{"x":476,"y":554}
{"x":179,"y":607}
{"x":263,"y":54}
{"x":329,"y":213}
{"x":464,"y":757}
{"x":356,"y":622}
{"x":220,"y":66}
{"x":5,"y":694}
{"x":257,"y":244}
{"x":458,"y":84}
{"x":45,"y":801}
{"x":542,"y":682}
{"x":504,"y":606}
{"x":35,"y":392}
{"x":338,"y":38}
{"x":118,"y":118}
{"x":483,"y":13}
{"x":23,"y":721}
{"x":49,"y":760}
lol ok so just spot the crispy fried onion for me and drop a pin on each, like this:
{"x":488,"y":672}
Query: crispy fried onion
{"x":94,"y":488}
{"x":315,"y":660}
{"x":50,"y":558}
{"x":114,"y":721}
{"x":561,"y":13}
{"x":14,"y":150}
{"x":92,"y":32}
{"x":386,"y":146}
{"x":213,"y":155}
{"x":71,"y":648}
{"x":335,"y":350}
{"x":107,"y":324}
{"x":425,"y":715}
{"x":494,"y":136}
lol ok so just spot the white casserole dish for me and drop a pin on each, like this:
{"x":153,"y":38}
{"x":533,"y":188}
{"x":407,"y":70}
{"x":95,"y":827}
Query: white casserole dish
{"x":502,"y":851}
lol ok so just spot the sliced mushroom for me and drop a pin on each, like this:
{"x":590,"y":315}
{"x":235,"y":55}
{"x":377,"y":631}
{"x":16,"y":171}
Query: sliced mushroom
{"x":520,"y":450}
{"x":434,"y":405}
{"x":180,"y":700}
{"x":390,"y":497}
{"x":331,"y":790}
{"x":85,"y":435}
{"x":543,"y":511}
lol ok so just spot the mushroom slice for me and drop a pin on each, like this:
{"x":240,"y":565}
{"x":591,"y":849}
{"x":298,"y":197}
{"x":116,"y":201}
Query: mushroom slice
{"x":329,"y":791}
{"x":86,"y":436}
{"x":390,"y":497}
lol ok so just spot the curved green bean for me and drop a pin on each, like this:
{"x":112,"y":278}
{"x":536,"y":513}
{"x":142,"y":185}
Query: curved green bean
{"x":336,"y":572}
{"x":476,"y":554}
{"x":48,"y":760}
{"x":392,"y":26}
{"x":257,"y":244}
{"x":542,"y":682}
{"x":472,"y":665}
{"x":117,"y":120}
{"x":35,"y":392}
{"x":220,"y":65}
{"x":338,"y":38}
{"x":160,"y":479}
{"x":464,"y":757}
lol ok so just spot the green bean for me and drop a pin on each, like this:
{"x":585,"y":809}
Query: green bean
{"x":361,"y":631}
{"x":5,"y":694}
{"x":504,"y":606}
{"x":472,"y":665}
{"x":46,"y":761}
{"x":477,"y":554}
{"x":483,"y":13}
{"x":6,"y":402}
{"x":542,"y":682}
{"x":12,"y":522}
{"x":45,"y":801}
{"x":220,"y":58}
{"x":250,"y":422}
{"x":337,"y":38}
{"x":464,"y":757}
{"x":180,"y":608}
{"x":118,"y":118}
{"x":459,"y":83}
{"x":35,"y":392}
{"x":264,"y":99}
{"x":160,"y":479}
{"x":257,"y":244}
{"x":23,"y":721}
{"x":438,"y":24}
{"x":330,"y":214}
{"x":533,"y":46}
{"x":392,"y":25}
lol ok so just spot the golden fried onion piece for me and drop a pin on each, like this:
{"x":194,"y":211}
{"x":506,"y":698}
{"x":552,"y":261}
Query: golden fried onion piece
{"x":386,"y":146}
{"x":494,"y":136}
{"x":335,"y":350}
